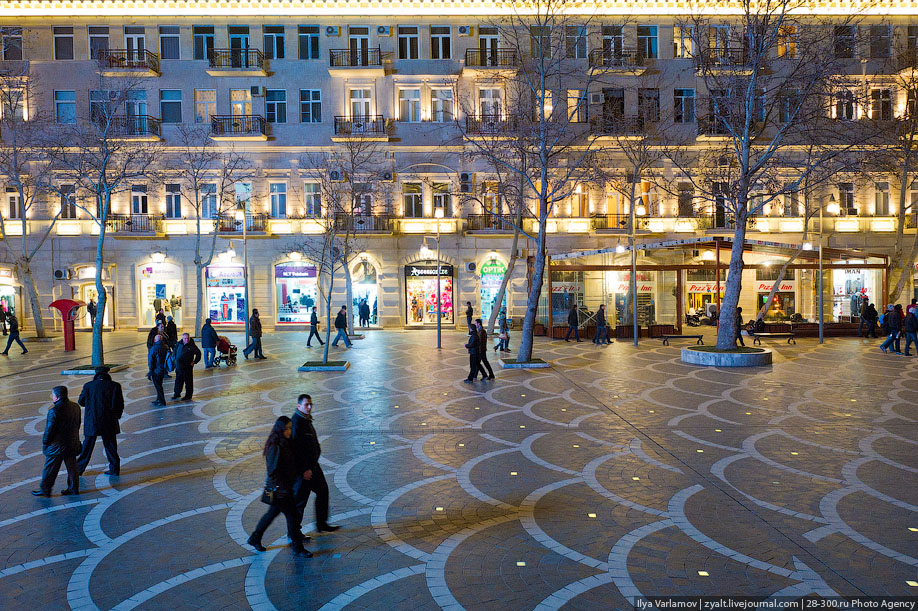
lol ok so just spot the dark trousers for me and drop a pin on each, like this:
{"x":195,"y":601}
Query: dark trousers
{"x":157,"y":379}
{"x":602,"y":335}
{"x":254,"y":346}
{"x":53,"y":466}
{"x":286,"y":507}
{"x":184,"y":376}
{"x":364,"y":322}
{"x":483,"y":362}
{"x":910,"y":338}
{"x":739,"y":337}
{"x":572,"y":329}
{"x":319,"y":487}
{"x":474,"y":365}
{"x":314,"y":332}
{"x":14,"y":337}
{"x":110,"y":443}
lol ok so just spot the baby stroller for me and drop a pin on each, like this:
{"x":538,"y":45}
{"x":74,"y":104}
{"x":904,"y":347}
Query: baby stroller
{"x":226,"y":352}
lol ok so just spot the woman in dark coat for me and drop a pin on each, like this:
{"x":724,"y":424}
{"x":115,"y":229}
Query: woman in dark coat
{"x":281,"y":475}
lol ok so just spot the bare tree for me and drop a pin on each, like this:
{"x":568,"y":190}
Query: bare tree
{"x":209,"y":175}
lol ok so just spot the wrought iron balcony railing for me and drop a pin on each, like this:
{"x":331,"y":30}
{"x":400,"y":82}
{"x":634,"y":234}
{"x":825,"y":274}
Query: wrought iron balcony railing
{"x":492,"y":58}
{"x":238,"y":125}
{"x":616,"y":58}
{"x":129,"y":59}
{"x":370,"y":125}
{"x":236,"y":59}
{"x":354,"y":58}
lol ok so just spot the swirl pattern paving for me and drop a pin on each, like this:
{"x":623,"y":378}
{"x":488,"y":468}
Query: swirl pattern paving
{"x":620,"y":472}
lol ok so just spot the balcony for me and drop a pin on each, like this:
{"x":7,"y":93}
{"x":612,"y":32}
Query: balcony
{"x":617,"y":222}
{"x":712,"y":128}
{"x":128,"y":62}
{"x":254,"y":223}
{"x":135,"y":127}
{"x":619,"y":61}
{"x":238,"y":127}
{"x":356,"y":63}
{"x":491,"y":223}
{"x":363,"y":223}
{"x":610,"y":125}
{"x":907,"y":62}
{"x":371,"y":128}
{"x":236,"y":62}
{"x":490,"y":126}
{"x":135,"y":223}
{"x":736,"y":60}
{"x":484,"y":63}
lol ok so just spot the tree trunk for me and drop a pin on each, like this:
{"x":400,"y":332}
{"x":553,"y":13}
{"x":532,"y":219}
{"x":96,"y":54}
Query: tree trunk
{"x":535,"y":291}
{"x":726,"y":330}
{"x":25,"y":272}
{"x":199,"y":288}
{"x":349,"y":296}
{"x":328,"y":323}
{"x":504,"y":283}
{"x":98,"y":356}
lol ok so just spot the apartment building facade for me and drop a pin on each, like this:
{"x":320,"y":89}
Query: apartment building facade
{"x":278,"y":82}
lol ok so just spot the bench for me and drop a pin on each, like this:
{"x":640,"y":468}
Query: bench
{"x":666,"y":338}
{"x":757,"y":337}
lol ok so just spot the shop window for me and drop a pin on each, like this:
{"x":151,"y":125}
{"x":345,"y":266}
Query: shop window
{"x":160,"y":289}
{"x":413,"y":203}
{"x":421,"y":294}
{"x":492,"y":275}
{"x":274,"y":41}
{"x":63,"y":42}
{"x":173,"y":201}
{"x":169,"y":42}
{"x":365,"y":293}
{"x":308,"y":41}
{"x":225,"y":294}
{"x":11,"y":42}
{"x":407,"y":42}
{"x":296,"y":292}
{"x":278,"y":199}
{"x":203,"y":41}
{"x":440,"y":47}
{"x":312,"y":199}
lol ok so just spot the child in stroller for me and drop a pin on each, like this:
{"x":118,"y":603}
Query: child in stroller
{"x":226,"y":352}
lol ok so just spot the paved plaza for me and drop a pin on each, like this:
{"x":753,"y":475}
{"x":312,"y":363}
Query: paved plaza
{"x":619,"y":472}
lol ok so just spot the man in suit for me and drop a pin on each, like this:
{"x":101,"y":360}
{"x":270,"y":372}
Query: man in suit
{"x":156,"y":360}
{"x":187,"y":355}
{"x":310,"y":478}
{"x":314,"y":329}
{"x":60,"y":443}
{"x":104,"y":403}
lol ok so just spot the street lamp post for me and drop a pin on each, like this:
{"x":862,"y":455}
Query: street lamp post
{"x":821,"y":288}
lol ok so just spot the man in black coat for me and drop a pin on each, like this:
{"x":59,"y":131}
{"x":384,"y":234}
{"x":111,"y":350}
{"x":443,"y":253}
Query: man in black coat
{"x":473,"y":347}
{"x":60,"y":443}
{"x":307,"y":450}
{"x":314,"y":329}
{"x":104,"y":403}
{"x":14,"y":335}
{"x":187,"y":356}
{"x":171,"y":331}
{"x":255,"y":332}
{"x":158,"y":329}
{"x":209,"y":339}
{"x":156,"y":360}
{"x":341,"y":326}
{"x":573,"y":321}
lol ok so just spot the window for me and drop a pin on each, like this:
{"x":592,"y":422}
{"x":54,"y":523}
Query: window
{"x":312,"y":199}
{"x":363,"y":199}
{"x":12,"y":104}
{"x":576,"y":106}
{"x":649,"y":105}
{"x":99,"y":108}
{"x":686,"y":200}
{"x":139,"y":199}
{"x":240,"y":102}
{"x":683,"y":42}
{"x":846,"y":196}
{"x":440,"y":47}
{"x":407,"y":42}
{"x":169,"y":43}
{"x":575,"y":41}
{"x":844,"y":105}
{"x":63,"y":42}
{"x":411,"y":196}
{"x":879,"y":41}
{"x":684,"y":107}
{"x":881,"y":104}
{"x":205,"y":105}
{"x":540,"y":40}
{"x":844,"y":41}
{"x":580,"y":202}
{"x":911,"y":103}
{"x":441,"y":105}
{"x":274,"y":41}
{"x":173,"y":201}
{"x":442,"y":200}
{"x":791,"y":202}
{"x":209,"y":209}
{"x":68,"y":202}
{"x":135,"y":42}
{"x":276,"y":105}
{"x":310,"y":106}
{"x":65,"y":106}
{"x":14,"y":203}
{"x":278,"y":192}
{"x":11,"y":42}
{"x":98,"y":41}
{"x":547,"y":107}
{"x":613,"y":41}
{"x":170,"y":105}
{"x":911,"y":41}
{"x":489,"y":104}
{"x":308,"y":41}
{"x":613,"y":104}
{"x":788,"y":102}
{"x":203,"y":41}
{"x":409,"y":105}
{"x":360,"y":103}
{"x":787,"y":41}
{"x":881,"y":199}
{"x":647,"y":41}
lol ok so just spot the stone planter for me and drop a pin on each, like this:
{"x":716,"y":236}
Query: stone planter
{"x":759,"y":358}
{"x":320,"y":366}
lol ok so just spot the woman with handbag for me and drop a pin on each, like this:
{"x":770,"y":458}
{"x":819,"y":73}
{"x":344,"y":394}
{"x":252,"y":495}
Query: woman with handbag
{"x":278,"y":492}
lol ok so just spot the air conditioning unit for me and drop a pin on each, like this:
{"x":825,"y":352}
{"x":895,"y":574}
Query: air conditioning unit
{"x":851,"y":211}
{"x":333,"y":30}
{"x":466,"y":182}
{"x":257,"y":91}
{"x":470,"y":267}
{"x":337,"y":176}
{"x":387,"y":176}
{"x":384,"y":30}
{"x":465,"y":30}
{"x":596,"y":98}
{"x":62,"y":274}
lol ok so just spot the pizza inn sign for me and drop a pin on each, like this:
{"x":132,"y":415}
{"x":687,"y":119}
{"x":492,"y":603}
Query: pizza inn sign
{"x":785,"y":286}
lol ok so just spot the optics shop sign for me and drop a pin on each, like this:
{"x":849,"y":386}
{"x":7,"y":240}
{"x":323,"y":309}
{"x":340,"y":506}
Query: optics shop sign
{"x":427,"y":271}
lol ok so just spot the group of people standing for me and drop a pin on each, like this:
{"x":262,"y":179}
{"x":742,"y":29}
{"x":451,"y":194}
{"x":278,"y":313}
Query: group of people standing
{"x":165,"y":354}
{"x":478,"y":348}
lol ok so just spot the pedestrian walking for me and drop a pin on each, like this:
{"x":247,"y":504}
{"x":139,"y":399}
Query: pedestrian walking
{"x":503,"y":335}
{"x":863,"y":312}
{"x":60,"y":443}
{"x":573,"y":322}
{"x":602,"y":329}
{"x":255,"y":332}
{"x":14,"y":335}
{"x":282,"y":472}
{"x":187,"y":355}
{"x":341,"y":326}
{"x":3,"y":316}
{"x":893,"y":327}
{"x":872,"y":317}
{"x":910,"y":328}
{"x":738,"y":329}
{"x":314,"y":329}
{"x":156,"y":361}
{"x":912,"y":307}
{"x":171,"y":331}
{"x":103,"y":401}
{"x":474,"y":359}
{"x":92,"y":308}
{"x":483,"y":351}
{"x":468,"y":314}
{"x":209,"y":339}
{"x":307,"y":450}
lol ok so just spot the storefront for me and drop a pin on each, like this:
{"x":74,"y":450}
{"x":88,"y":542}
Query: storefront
{"x":701,"y":291}
{"x":784,"y":302}
{"x":364,"y":288}
{"x":83,"y":288}
{"x":849,"y":286}
{"x":225,"y":294}
{"x":492,"y":275}
{"x":160,"y":286}
{"x":421,"y":294}
{"x":295,"y":292}
{"x":9,"y":293}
